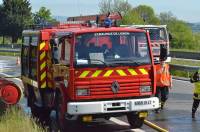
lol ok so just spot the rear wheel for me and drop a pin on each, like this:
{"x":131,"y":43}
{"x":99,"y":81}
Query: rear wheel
{"x":41,"y":113}
{"x":134,"y":120}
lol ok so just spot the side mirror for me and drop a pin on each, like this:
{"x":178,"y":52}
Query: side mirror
{"x":163,"y":52}
{"x":54,"y":41}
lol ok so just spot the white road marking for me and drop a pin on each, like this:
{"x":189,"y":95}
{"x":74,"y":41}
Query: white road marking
{"x":117,"y":121}
{"x":6,"y":70}
{"x":120,"y":122}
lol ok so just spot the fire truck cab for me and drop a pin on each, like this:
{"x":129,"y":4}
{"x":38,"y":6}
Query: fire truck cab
{"x":83,"y":73}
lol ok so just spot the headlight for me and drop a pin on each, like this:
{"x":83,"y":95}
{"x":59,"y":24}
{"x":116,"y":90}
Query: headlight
{"x":82,"y":92}
{"x":144,"y":89}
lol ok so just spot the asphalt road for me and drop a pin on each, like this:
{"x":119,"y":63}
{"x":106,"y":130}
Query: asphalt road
{"x":176,"y":117}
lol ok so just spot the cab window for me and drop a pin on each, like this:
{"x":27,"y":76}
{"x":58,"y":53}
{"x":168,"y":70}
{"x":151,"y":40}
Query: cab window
{"x":25,"y":55}
{"x":33,"y":57}
{"x":61,"y":51}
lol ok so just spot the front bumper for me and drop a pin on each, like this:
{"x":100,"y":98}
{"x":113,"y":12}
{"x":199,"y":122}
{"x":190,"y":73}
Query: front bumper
{"x":102,"y":107}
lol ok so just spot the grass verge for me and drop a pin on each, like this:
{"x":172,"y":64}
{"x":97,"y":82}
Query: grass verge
{"x":16,"y":120}
{"x":9,"y":54}
{"x":179,"y":73}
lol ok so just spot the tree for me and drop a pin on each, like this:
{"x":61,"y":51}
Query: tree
{"x":132,"y":17}
{"x":105,"y":6}
{"x":1,"y":22}
{"x":121,"y":6}
{"x":180,"y":31}
{"x":166,"y":17}
{"x":43,"y":16}
{"x":147,"y":14}
{"x":16,"y":15}
{"x":182,"y":34}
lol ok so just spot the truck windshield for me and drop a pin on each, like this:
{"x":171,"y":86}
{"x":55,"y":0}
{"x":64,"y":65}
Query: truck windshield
{"x":112,"y":48}
{"x":157,"y":34}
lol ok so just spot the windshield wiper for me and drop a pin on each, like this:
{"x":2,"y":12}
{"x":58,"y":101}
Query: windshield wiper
{"x":126,"y":62}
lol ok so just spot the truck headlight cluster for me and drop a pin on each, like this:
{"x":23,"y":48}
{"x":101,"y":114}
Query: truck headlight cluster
{"x":82,"y":92}
{"x":144,"y":89}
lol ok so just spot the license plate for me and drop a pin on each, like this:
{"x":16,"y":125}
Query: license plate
{"x":145,"y":102}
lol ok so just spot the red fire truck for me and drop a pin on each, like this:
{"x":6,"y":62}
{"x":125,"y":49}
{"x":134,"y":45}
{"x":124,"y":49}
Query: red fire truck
{"x":76,"y":73}
{"x":158,"y":36}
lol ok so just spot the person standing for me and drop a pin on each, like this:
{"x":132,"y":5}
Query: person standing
{"x":163,"y":83}
{"x":196,"y":96}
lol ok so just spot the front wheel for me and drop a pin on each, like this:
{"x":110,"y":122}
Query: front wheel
{"x":134,"y":120}
{"x":58,"y":121}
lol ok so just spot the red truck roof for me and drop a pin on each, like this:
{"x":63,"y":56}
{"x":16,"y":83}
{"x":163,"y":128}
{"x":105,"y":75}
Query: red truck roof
{"x":80,"y":30}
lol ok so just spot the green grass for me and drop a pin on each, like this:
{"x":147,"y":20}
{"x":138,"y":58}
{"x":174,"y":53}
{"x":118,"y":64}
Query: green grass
{"x":179,"y":73}
{"x":9,"y":54}
{"x":14,"y":120}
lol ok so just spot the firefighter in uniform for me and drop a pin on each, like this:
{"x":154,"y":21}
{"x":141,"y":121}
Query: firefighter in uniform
{"x":164,"y":82}
{"x":196,"y":97}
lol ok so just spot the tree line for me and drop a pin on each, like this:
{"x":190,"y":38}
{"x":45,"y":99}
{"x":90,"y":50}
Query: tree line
{"x":182,"y":35}
{"x":16,"y":15}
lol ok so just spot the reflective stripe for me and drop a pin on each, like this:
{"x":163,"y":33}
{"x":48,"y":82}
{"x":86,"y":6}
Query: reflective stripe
{"x":42,"y":66}
{"x":108,"y":73}
{"x":143,"y":71}
{"x":42,"y":76}
{"x":42,"y":45}
{"x":121,"y":73}
{"x":44,"y":85}
{"x":132,"y":72}
{"x":96,"y":73}
{"x":84,"y":74}
{"x":42,"y":55}
{"x":30,"y":81}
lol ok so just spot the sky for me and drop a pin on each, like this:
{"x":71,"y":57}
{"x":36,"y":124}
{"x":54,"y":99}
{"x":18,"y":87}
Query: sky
{"x":187,"y":10}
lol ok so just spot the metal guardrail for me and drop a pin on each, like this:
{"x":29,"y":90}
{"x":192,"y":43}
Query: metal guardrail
{"x":10,"y":50}
{"x":184,"y":67}
{"x":185,"y":55}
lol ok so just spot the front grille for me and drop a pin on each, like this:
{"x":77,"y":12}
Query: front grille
{"x":102,"y":89}
{"x":105,"y":89}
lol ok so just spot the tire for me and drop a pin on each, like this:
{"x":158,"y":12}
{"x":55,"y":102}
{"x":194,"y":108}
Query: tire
{"x":134,"y":120}
{"x":58,"y":123}
{"x":53,"y":126}
{"x":107,"y":118}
